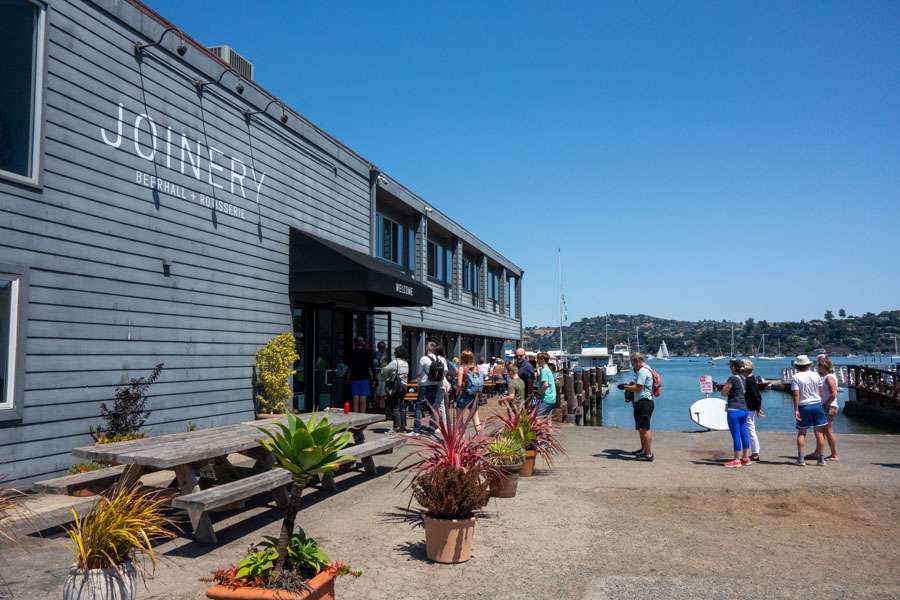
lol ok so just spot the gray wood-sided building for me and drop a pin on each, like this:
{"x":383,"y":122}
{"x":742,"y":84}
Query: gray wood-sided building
{"x":157,"y":206}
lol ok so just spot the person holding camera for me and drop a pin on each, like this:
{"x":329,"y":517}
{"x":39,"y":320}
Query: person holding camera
{"x":640,"y":390}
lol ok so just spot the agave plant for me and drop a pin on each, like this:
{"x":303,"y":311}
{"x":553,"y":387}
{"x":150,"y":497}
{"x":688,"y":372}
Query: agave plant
{"x":453,"y":448}
{"x":537,"y":432}
{"x":304,"y":449}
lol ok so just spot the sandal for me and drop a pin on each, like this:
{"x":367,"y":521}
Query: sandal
{"x":832,"y":458}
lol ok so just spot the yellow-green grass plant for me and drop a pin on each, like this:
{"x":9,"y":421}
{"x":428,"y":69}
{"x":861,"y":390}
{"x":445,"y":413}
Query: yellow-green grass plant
{"x":120,"y":528}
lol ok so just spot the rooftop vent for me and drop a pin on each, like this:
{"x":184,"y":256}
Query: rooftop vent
{"x":235,"y":60}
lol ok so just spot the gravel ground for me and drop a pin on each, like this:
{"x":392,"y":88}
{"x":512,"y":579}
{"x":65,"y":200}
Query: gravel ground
{"x":598,"y":525}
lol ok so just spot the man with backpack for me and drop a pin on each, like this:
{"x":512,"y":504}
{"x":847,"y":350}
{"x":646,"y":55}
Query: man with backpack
{"x":430,"y":376}
{"x":642,"y":387}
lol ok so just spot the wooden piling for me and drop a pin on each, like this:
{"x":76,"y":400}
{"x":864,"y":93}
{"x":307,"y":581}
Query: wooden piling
{"x":570,"y":398}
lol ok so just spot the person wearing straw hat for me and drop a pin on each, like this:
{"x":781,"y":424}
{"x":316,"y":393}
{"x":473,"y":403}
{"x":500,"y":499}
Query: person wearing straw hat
{"x":806,"y":388}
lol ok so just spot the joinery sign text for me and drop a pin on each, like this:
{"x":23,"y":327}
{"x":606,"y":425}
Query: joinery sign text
{"x":218,"y":172}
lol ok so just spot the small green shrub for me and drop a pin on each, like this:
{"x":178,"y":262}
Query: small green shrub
{"x":84,"y":467}
{"x":506,"y":450}
{"x":274,"y":369}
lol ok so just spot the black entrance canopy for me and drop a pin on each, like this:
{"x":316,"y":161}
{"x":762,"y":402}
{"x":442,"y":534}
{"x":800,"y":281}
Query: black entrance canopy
{"x":331,"y":272}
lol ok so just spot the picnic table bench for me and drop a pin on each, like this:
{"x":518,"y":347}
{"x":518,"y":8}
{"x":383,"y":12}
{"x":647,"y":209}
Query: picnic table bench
{"x":186,"y":453}
{"x":93,"y":481}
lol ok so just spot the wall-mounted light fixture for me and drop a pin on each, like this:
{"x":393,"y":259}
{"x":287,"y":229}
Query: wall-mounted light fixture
{"x":182,"y":48}
{"x":239,"y":88}
{"x":284,"y":118}
{"x":382,"y":180}
{"x":428,"y":209}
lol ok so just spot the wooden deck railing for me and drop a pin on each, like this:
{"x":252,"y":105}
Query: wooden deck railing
{"x":878,"y":387}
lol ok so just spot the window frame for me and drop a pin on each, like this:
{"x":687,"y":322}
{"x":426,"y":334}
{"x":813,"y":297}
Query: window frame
{"x":37,"y":109}
{"x":437,"y":253}
{"x":11,"y":403}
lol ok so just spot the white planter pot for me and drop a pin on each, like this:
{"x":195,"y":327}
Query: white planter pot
{"x":101,"y":584}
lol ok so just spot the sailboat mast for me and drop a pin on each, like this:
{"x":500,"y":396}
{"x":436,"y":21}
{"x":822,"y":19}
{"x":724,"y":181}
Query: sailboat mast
{"x":559,"y":269}
{"x":637,"y":335}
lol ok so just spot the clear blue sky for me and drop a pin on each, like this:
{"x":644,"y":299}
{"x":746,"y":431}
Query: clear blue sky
{"x":693,"y":160}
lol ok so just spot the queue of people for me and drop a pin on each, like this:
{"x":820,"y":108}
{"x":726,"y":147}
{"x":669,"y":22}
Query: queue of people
{"x":457,"y":384}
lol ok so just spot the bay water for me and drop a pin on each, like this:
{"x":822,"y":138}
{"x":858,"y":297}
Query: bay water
{"x":681,"y":388}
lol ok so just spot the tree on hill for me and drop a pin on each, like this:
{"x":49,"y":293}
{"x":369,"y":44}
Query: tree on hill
{"x":829,"y":316}
{"x":842,"y":313}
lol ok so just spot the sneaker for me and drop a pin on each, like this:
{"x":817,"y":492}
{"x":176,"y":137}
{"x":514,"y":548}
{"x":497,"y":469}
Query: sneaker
{"x":733,"y":463}
{"x":820,"y":462}
{"x":801,"y":461}
{"x":412,"y":434}
{"x":745,"y":462}
{"x":639,"y":452}
{"x":755,"y":458}
{"x":391,"y":432}
{"x":645,"y":457}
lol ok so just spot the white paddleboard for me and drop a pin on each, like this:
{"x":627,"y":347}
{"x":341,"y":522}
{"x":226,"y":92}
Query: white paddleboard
{"x":710,"y":413}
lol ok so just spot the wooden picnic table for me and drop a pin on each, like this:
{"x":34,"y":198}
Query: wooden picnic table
{"x":186,"y":452}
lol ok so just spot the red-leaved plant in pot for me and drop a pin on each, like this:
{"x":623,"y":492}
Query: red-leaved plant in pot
{"x":537,"y":433}
{"x":450,"y":481}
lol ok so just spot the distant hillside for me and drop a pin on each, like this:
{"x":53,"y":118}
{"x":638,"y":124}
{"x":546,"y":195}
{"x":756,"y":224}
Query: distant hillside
{"x":867,"y":334}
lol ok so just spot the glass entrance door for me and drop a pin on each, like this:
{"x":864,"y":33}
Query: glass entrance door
{"x":325,"y":335}
{"x":323,"y":384}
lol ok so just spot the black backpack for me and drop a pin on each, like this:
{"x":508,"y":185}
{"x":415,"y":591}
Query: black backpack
{"x":436,"y":370}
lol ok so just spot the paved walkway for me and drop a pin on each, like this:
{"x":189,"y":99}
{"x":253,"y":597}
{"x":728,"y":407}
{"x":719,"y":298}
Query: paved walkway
{"x":600,"y":525}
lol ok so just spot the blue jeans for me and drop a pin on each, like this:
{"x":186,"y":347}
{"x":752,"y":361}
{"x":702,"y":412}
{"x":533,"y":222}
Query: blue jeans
{"x":737,"y":425}
{"x":546,"y":408}
{"x":430,"y":394}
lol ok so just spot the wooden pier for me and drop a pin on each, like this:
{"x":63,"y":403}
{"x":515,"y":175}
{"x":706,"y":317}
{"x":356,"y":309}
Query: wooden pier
{"x":874,"y":395}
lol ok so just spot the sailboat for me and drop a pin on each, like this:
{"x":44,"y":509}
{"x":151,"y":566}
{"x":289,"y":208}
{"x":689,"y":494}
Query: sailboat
{"x":762,"y":354}
{"x":719,"y":356}
{"x":663,"y":352}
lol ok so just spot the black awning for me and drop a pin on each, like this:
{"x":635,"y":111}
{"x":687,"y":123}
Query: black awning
{"x":323,"y":268}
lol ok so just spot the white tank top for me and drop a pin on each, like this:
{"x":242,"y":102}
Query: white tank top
{"x":826,"y":392}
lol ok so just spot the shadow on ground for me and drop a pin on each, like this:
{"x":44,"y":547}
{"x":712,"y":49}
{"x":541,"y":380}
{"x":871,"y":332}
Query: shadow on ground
{"x":614,"y":453}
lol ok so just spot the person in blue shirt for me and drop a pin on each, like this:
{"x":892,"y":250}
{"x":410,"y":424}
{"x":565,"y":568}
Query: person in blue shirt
{"x":546,"y":385}
{"x":642,"y":387}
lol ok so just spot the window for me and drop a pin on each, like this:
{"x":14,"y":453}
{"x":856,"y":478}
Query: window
{"x":434,"y":262}
{"x":411,"y":249}
{"x":494,"y":286}
{"x":448,"y":266}
{"x":468,"y":281}
{"x":394,"y":242}
{"x":22,"y":65}
{"x":511,"y":296}
{"x":390,"y":240}
{"x":440,"y":263}
{"x":13,"y":286}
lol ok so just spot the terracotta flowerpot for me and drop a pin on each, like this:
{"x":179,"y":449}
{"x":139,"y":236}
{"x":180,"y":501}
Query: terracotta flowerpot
{"x":449,"y":540}
{"x":507,"y":487}
{"x":261,"y":416}
{"x":101,"y":584}
{"x":528,"y":466}
{"x":322,"y":589}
